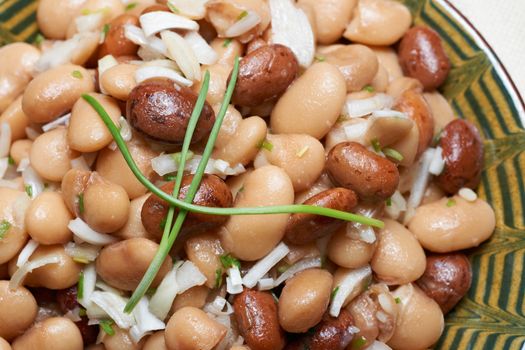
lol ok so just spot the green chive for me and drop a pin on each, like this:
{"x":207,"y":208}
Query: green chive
{"x":228,"y":261}
{"x":131,"y":6}
{"x":392,"y":153}
{"x":320,"y":58}
{"x":218,"y":278}
{"x":29,"y":190}
{"x":388,"y":202}
{"x":398,"y":300}
{"x":283,"y":268}
{"x":376,"y":145}
{"x":227,"y":42}
{"x":451,"y":202}
{"x":81,"y":202}
{"x":39,"y":38}
{"x":10,"y":160}
{"x":172,"y":8}
{"x":105,"y":30}
{"x":334,"y":292}
{"x":267,"y":145}
{"x":76,"y":74}
{"x":178,"y":156}
{"x":369,"y":88}
{"x":107,"y":326}
{"x":82,"y":312}
{"x":358,"y":343}
{"x":4,"y":227}
{"x":80,"y":287}
{"x":242,"y":15}
{"x":169,"y":177}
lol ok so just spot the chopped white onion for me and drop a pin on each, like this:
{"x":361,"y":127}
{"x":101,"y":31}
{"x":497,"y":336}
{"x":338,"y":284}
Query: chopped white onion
{"x":355,"y":131}
{"x":157,"y":21}
{"x":389,"y":113}
{"x":95,"y":313}
{"x":125,"y":129}
{"x":31,"y":178}
{"x":243,"y":25}
{"x":19,"y":275}
{"x":299,"y":266}
{"x":63,"y":120}
{"x":114,"y":305}
{"x":264,"y":265}
{"x":217,"y":306}
{"x":354,"y":279}
{"x":5,"y":139}
{"x":291,"y":27}
{"x":397,"y":205}
{"x":26,"y":252}
{"x":104,"y":64}
{"x":359,"y":108}
{"x":157,"y":45}
{"x":377,"y":345}
{"x":135,"y":34}
{"x":189,"y":276}
{"x":63,"y":52}
{"x":420,"y":184}
{"x":24,"y":163}
{"x":232,"y":288}
{"x":146,"y":321}
{"x":165,"y":164}
{"x":73,"y":315}
{"x":79,"y":163}
{"x":148,"y":72}
{"x":387,"y":303}
{"x":193,"y":9}
{"x":4,"y":164}
{"x":182,"y":53}
{"x":467,"y":194}
{"x":438,"y":163}
{"x":90,"y":279}
{"x":166,"y":63}
{"x":362,"y":232}
{"x":81,"y":230}
{"x":266,"y":284}
{"x":9,"y":184}
{"x":203,"y":51}
{"x":161,"y":301}
{"x":90,"y":22}
{"x":84,"y":252}
{"x":31,"y":133}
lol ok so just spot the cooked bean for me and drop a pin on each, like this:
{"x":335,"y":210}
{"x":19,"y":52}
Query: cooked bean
{"x":133,"y":226}
{"x":54,"y":16}
{"x":16,"y":118}
{"x":422,"y":56}
{"x":399,"y":85}
{"x":166,"y":121}
{"x":304,"y":300}
{"x":349,"y":252}
{"x":357,"y":63}
{"x":118,"y":81}
{"x":387,"y":58}
{"x":155,"y":342}
{"x":419,"y":322}
{"x":16,"y":236}
{"x":446,"y":279}
{"x":53,"y":92}
{"x":305,"y":228}
{"x":110,"y":8}
{"x":86,"y":131}
{"x":121,"y":340}
{"x":61,"y":275}
{"x":18,"y":310}
{"x":264,"y":75}
{"x":4,"y":345}
{"x":55,"y":333}
{"x":112,"y":166}
{"x":16,"y":65}
{"x":414,"y":105}
{"x":51,"y":156}
{"x":312,"y":104}
{"x":330,"y":334}
{"x":407,"y":146}
{"x":258,"y":321}
{"x":73,"y":184}
{"x":20,"y":149}
{"x":123,"y":264}
{"x":267,"y":186}
{"x":212,"y":192}
{"x":378,"y":22}
{"x":453,"y":224}
{"x":191,"y":329}
{"x":194,"y":297}
{"x":381,"y":79}
{"x":441,"y":110}
{"x":227,"y":53}
{"x":204,"y":250}
{"x":398,"y":258}
{"x":115,"y":43}
{"x":371,"y":176}
{"x":47,"y":218}
{"x":463,"y":155}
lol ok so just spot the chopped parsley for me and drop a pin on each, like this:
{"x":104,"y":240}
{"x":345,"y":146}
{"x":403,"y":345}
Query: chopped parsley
{"x":105,"y":30}
{"x":131,"y":6}
{"x":451,"y":202}
{"x":334,"y":292}
{"x":376,"y":145}
{"x":172,"y":7}
{"x":4,"y":227}
{"x":369,"y":88}
{"x":81,"y":202}
{"x":218,"y":278}
{"x":392,"y":153}
{"x":81,"y":260}
{"x":397,"y":300}
{"x":39,"y":38}
{"x":80,"y":287}
{"x":388,"y":202}
{"x":10,"y":160}
{"x":267,"y":145}
{"x":29,"y":190}
{"x":107,"y":326}
{"x":242,"y":15}
{"x":227,"y":42}
{"x":358,"y":343}
{"x":76,"y":74}
{"x":169,"y":177}
{"x":320,"y":58}
{"x":228,"y":261}
{"x":82,"y":312}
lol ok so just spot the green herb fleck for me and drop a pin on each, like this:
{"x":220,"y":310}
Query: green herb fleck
{"x":151,"y":291}
{"x":29,"y":190}
{"x":107,"y":326}
{"x":105,"y":30}
{"x":4,"y":227}
{"x":369,"y":88}
{"x":173,"y":8}
{"x":227,"y":42}
{"x":302,"y":152}
{"x":218,"y":278}
{"x":39,"y":39}
{"x":81,"y":202}
{"x":82,"y":312}
{"x":228,"y":261}
{"x":177,"y":157}
{"x":320,"y":58}
{"x":241,"y":189}
{"x":267,"y":145}
{"x":242,"y":15}
{"x":334,"y":292}
{"x":76,"y":74}
{"x":85,"y":12}
{"x":358,"y":343}
{"x":10,"y":160}
{"x":389,"y":202}
{"x":397,"y":300}
{"x":169,"y":177}
{"x":81,"y":260}
{"x":131,"y":6}
{"x":376,"y":145}
{"x":163,"y":223}
{"x":451,"y":202}
{"x":342,"y":118}
{"x":392,"y":153}
{"x":80,"y":287}
{"x":283,"y":268}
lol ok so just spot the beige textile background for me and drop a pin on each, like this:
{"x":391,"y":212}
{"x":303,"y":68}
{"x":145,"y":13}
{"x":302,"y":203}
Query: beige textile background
{"x":502,"y":23}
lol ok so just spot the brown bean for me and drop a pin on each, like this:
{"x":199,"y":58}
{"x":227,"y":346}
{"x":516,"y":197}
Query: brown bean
{"x":414,"y":105}
{"x":212,"y":192}
{"x":67,"y":300}
{"x":447,"y":279}
{"x":422,"y":56}
{"x":330,"y":334}
{"x":161,"y":110}
{"x":264,"y":75}
{"x":371,"y":176}
{"x":463,"y":154}
{"x":116,"y":43}
{"x":305,"y":228}
{"x":256,"y":314}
